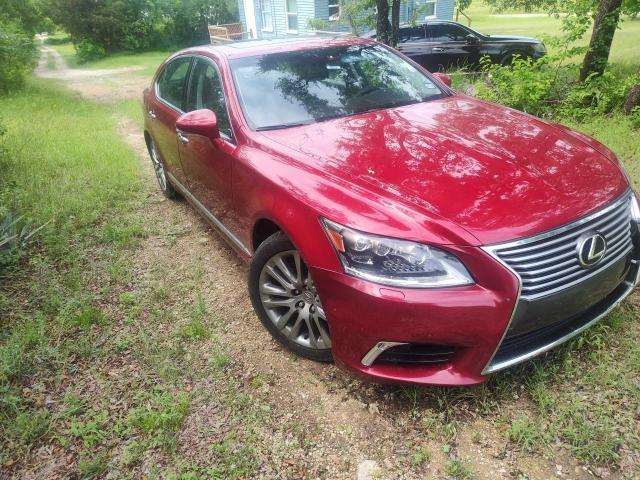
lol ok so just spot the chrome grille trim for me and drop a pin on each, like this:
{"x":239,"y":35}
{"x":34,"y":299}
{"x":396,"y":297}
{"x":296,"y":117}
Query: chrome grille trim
{"x":547,"y":263}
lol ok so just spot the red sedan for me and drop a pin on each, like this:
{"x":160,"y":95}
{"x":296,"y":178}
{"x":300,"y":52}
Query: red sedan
{"x":404,"y":230}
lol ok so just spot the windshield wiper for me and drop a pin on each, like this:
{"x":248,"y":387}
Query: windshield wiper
{"x":281,"y":126}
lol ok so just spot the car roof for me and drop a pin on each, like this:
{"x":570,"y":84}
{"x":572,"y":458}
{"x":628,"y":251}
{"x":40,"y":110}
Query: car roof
{"x":434,"y":22}
{"x":250,"y":48}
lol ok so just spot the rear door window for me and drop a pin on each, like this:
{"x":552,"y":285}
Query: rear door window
{"x":446,"y":33}
{"x":172,"y":82}
{"x":412,"y":34}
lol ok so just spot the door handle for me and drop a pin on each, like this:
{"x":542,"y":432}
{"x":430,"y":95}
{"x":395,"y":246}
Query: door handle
{"x":438,"y":50}
{"x":151,"y":114}
{"x":183,"y":138}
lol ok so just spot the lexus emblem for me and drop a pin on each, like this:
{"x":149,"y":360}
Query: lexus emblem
{"x":591,"y":248}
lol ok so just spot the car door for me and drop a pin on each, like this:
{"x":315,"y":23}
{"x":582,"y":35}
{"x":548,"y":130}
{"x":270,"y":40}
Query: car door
{"x":165,"y":108}
{"x":412,"y":42}
{"x":450,"y":47}
{"x":207,"y":164}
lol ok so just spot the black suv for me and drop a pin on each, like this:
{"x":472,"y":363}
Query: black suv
{"x":439,"y":44}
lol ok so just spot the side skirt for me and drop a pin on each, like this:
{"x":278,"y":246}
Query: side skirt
{"x":230,"y":237}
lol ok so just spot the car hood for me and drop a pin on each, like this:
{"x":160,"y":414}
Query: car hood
{"x":498,"y":173}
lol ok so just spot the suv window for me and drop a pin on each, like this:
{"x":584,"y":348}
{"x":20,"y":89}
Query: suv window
{"x":412,"y":34}
{"x":171,"y":82}
{"x":205,"y":91}
{"x":446,"y":33}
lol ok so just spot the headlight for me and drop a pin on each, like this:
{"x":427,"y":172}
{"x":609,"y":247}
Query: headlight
{"x":635,"y":209}
{"x":393,"y":262}
{"x":540,"y":48}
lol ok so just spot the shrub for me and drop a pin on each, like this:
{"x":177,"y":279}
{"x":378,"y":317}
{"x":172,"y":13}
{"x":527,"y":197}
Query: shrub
{"x":88,"y":51}
{"x":598,"y":95}
{"x":17,"y":57}
{"x":547,"y":89}
{"x":635,"y":117}
{"x":57,"y":40}
{"x":526,"y":85}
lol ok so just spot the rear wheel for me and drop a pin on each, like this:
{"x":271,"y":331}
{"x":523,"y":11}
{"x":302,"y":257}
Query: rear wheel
{"x":161,"y":175}
{"x":286,"y":301}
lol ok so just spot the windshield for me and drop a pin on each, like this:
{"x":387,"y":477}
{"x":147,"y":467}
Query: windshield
{"x":280,"y":90}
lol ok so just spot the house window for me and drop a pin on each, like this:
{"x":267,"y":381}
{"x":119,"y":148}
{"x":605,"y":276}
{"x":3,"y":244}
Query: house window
{"x":267,"y":19}
{"x":334,"y":10}
{"x":429,"y":9}
{"x":292,"y":15}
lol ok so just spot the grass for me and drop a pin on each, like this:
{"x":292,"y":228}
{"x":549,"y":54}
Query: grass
{"x":70,"y":321}
{"x":83,"y":313}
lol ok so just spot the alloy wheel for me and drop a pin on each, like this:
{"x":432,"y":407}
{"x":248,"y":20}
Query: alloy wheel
{"x":291,"y":301}
{"x":158,"y":167}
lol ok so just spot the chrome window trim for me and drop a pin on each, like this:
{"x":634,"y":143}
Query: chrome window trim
{"x":208,"y":214}
{"x":493,"y":248}
{"x":192,"y":57}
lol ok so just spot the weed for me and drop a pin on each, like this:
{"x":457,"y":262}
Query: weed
{"x":91,"y":466}
{"x":160,"y":417}
{"x":523,"y":432}
{"x":29,"y":426}
{"x":421,"y":456}
{"x":91,"y":430}
{"x":458,"y":469}
{"x":87,"y":317}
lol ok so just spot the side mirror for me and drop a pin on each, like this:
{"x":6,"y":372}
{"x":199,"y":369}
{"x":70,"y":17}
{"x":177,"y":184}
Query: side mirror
{"x":444,"y":78}
{"x":199,"y":122}
{"x":472,"y":39}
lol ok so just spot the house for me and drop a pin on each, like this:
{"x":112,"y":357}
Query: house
{"x":269,"y":18}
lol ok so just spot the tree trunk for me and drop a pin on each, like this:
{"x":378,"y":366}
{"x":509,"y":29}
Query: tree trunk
{"x":633,"y":99}
{"x":395,"y":22}
{"x":604,"y":27}
{"x":382,"y":22}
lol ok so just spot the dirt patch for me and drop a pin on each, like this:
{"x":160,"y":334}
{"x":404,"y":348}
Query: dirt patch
{"x":100,"y":85}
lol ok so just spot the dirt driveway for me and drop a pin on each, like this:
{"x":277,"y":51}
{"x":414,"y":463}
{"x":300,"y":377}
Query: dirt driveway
{"x":321,"y":422}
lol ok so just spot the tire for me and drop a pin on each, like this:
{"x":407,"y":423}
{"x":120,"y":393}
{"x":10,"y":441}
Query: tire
{"x":508,"y":58}
{"x":158,"y":167}
{"x":286,"y":302}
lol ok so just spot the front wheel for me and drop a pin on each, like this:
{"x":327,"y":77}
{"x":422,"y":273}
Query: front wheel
{"x":286,"y":301}
{"x":508,"y":59}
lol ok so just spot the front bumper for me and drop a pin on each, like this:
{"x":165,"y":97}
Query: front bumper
{"x":473,"y":321}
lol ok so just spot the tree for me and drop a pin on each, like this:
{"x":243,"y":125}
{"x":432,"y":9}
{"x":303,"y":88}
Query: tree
{"x":463,"y":4}
{"x":395,"y":23}
{"x":604,"y":27}
{"x":383,"y":27}
{"x":139,"y":24}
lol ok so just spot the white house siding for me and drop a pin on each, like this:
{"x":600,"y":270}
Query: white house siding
{"x":310,"y":9}
{"x":444,"y":9}
{"x":306,"y":11}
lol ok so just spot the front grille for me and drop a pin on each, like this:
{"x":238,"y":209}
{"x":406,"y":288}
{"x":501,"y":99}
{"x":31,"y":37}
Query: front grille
{"x":517,"y":348}
{"x":416,"y":354}
{"x":548,"y":263}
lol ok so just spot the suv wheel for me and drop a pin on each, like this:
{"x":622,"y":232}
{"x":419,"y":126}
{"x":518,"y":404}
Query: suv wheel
{"x":286,"y":301}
